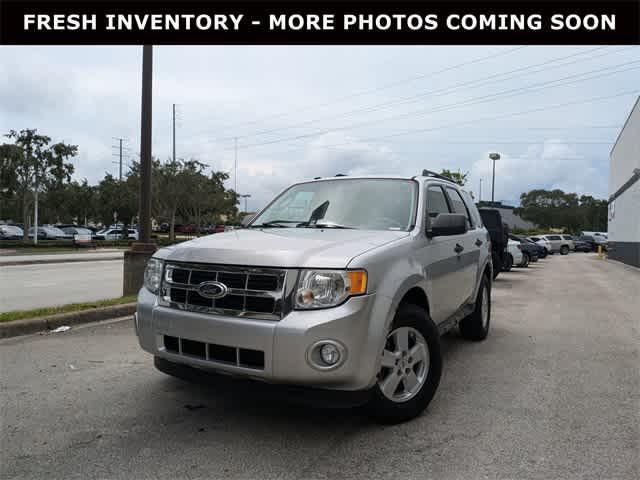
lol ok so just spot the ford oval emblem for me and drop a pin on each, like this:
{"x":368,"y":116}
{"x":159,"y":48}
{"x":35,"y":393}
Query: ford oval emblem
{"x":212,"y":289}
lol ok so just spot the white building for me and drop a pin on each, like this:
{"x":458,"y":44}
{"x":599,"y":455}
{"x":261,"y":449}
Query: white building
{"x":624,"y":192}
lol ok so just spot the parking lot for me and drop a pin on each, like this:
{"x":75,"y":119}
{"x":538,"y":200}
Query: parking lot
{"x":552,"y":393}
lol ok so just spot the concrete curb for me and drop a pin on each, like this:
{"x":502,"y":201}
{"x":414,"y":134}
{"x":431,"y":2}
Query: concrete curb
{"x":58,"y":260}
{"x":33,"y":325}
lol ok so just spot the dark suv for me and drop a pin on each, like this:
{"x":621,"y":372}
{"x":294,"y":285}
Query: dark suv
{"x":499,"y":233}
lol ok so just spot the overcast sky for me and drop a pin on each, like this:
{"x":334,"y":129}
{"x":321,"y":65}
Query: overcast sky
{"x":300,"y":112}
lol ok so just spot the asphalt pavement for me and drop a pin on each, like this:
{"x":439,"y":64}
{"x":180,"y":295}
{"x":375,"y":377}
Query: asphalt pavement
{"x":23,"y":287}
{"x":553,"y":393}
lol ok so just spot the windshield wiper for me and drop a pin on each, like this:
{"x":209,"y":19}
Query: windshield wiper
{"x":324,"y":225}
{"x":274,"y":224}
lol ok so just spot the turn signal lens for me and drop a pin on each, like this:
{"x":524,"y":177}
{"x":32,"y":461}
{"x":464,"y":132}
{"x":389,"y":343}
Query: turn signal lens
{"x":358,"y":280}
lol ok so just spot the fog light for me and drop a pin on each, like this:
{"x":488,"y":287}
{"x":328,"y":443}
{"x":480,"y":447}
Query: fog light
{"x":330,"y":354}
{"x":326,"y":354}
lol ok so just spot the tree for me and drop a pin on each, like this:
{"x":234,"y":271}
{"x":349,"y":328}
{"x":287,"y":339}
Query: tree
{"x":38,"y":166}
{"x":209,"y":200}
{"x":567,"y":211}
{"x":458,"y":177}
{"x":71,"y":202}
{"x":9,"y":157}
{"x":116,"y":200}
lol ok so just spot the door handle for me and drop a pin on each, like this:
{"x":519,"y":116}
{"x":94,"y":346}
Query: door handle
{"x":458,"y":248}
{"x":478,"y":242}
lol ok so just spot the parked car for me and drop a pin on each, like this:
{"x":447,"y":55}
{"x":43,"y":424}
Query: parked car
{"x":543,"y":243}
{"x":47,"y":233}
{"x":11,"y":232}
{"x":513,"y":256}
{"x":540,"y":250}
{"x":343,"y":284}
{"x":570,"y":242}
{"x":583,"y":245}
{"x":81,"y":236}
{"x":116,"y":234}
{"x":558,"y":244}
{"x":492,"y":220}
{"x":530,"y":251}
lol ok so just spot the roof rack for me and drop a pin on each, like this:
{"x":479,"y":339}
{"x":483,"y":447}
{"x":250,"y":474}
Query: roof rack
{"x":429,"y":173}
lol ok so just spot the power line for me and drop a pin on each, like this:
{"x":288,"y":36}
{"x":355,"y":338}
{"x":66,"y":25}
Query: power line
{"x":487,"y":80}
{"x":446,"y":90}
{"x":473,"y":121}
{"x":372,"y":90}
{"x":498,"y":117}
{"x":471,"y":101}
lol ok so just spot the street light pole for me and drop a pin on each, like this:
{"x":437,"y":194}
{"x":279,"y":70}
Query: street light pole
{"x":494,"y":157}
{"x":145,"y":145}
{"x":135,"y":259}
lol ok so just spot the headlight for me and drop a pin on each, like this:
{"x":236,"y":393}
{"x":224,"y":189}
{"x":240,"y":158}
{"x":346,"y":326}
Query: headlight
{"x":328,"y":288}
{"x":153,"y":275}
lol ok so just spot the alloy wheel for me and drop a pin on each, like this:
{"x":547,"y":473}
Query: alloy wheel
{"x":405,"y":364}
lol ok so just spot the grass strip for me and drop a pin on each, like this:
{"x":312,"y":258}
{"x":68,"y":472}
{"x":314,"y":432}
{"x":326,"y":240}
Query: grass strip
{"x":72,"y":307}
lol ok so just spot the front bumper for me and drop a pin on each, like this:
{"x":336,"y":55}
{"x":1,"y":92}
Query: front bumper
{"x":285,"y":343}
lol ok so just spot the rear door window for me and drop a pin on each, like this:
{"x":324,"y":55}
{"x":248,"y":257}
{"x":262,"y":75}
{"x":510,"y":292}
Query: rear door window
{"x":436,"y":201}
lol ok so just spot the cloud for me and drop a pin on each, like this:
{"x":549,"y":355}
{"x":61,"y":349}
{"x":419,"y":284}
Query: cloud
{"x":551,"y":164}
{"x":264,"y":176}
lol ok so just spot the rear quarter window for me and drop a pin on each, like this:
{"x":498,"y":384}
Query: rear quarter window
{"x":458,"y":204}
{"x":476,"y":220}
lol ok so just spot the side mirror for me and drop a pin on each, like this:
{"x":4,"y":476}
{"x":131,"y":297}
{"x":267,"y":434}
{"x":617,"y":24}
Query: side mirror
{"x":447,"y":224}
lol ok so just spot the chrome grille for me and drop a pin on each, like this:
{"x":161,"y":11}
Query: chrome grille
{"x":251,"y":292}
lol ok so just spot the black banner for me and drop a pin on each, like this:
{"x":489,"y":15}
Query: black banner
{"x":347,"y":22}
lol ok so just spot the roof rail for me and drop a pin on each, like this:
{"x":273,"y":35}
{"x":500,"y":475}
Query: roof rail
{"x":317,"y":178}
{"x":340,"y":175}
{"x":429,"y":173}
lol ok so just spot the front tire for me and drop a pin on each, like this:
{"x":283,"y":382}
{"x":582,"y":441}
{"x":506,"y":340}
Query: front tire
{"x":410,"y":369}
{"x":476,"y":326}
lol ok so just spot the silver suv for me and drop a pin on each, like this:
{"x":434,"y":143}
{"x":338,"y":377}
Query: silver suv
{"x":342,"y":283}
{"x":558,"y":243}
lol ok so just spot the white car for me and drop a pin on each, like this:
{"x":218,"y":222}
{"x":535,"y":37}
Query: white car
{"x":514,"y":255}
{"x":115,"y":234}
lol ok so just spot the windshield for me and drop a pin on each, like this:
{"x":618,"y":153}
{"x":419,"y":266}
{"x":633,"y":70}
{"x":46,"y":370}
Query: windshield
{"x":368,"y":204}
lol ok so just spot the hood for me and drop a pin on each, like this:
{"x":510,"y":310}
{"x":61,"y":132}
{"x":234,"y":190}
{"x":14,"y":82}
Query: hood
{"x":281,"y":247}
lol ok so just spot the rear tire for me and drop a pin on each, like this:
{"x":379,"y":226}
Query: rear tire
{"x":388,"y":405}
{"x":476,"y":325}
{"x":525,"y":260}
{"x":564,"y":250}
